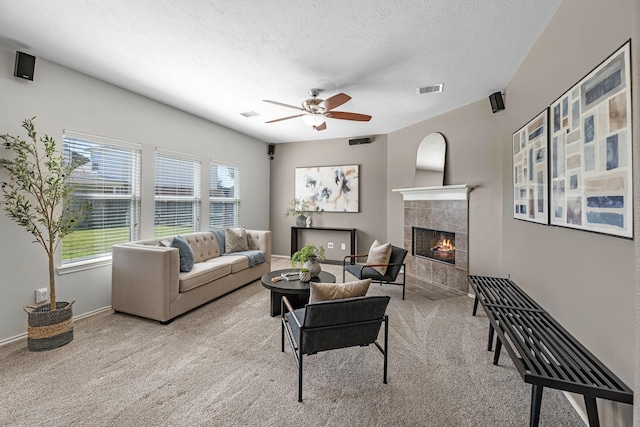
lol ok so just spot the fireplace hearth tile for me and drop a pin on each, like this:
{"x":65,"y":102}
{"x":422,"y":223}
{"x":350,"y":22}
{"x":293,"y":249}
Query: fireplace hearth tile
{"x":440,"y":273}
{"x":457,"y":278}
{"x":462,"y":259}
{"x":462,"y":242}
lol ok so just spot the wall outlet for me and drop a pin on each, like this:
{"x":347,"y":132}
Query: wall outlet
{"x":330,"y":245}
{"x":343,"y":246}
{"x":42,"y":295}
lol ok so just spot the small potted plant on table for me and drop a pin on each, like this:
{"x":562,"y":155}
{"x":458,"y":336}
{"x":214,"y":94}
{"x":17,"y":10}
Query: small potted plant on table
{"x":308,"y":258}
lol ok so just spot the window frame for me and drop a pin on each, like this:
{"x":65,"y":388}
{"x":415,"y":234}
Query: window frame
{"x":76,"y":140}
{"x":195,"y":199}
{"x":233,"y":200}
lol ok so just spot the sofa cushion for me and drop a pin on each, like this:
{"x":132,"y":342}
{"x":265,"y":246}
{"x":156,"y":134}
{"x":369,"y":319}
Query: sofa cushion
{"x":237,"y":262}
{"x":235,"y":240}
{"x":330,"y":291}
{"x":203,"y":273}
{"x":187,"y":257}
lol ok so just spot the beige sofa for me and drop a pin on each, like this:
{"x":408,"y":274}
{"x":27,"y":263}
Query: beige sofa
{"x":146,"y":279}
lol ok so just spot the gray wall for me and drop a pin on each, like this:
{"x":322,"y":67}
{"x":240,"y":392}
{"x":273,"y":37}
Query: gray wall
{"x":585,"y":280}
{"x":373,"y":189}
{"x":635,"y":77}
{"x":473,"y":157}
{"x":64,"y":99}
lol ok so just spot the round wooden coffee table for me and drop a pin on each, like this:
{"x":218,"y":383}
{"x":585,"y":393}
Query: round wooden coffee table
{"x":297,"y":292}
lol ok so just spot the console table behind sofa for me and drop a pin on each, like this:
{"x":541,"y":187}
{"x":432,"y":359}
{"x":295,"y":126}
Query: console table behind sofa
{"x":545,"y":354}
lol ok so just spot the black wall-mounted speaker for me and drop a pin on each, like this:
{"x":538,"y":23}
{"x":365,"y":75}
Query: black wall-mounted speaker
{"x":271,"y":149}
{"x":497,"y":103}
{"x":25,"y":66}
{"x":359,"y":141}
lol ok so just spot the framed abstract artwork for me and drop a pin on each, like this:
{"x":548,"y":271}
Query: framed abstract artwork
{"x":530,"y":171}
{"x":328,"y":188}
{"x":590,"y":151}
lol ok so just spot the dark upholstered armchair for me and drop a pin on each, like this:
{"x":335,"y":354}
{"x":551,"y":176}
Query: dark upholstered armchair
{"x":330,"y":325}
{"x":395,"y":265}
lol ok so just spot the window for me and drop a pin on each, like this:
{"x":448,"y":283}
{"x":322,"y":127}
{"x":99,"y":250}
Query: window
{"x":224,"y":196}
{"x":177,"y":194}
{"x":108,"y":178}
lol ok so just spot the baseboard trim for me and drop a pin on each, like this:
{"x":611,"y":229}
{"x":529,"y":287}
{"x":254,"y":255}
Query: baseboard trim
{"x":78,"y":317}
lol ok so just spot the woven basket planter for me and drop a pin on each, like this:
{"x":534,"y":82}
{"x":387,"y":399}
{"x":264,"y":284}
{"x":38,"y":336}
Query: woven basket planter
{"x":49,"y":329}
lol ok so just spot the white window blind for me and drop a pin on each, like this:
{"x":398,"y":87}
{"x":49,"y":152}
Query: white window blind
{"x":108,"y":179}
{"x":177,"y":195}
{"x":224,"y":196}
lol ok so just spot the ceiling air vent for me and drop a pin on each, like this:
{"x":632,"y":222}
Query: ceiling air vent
{"x":430,"y":88}
{"x":250,"y":114}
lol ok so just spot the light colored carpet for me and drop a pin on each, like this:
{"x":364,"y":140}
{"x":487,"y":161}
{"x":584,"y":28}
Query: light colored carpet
{"x":221,"y":365}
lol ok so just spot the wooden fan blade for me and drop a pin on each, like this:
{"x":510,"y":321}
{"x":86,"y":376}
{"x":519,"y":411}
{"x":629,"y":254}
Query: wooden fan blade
{"x":284,"y":105}
{"x":334,"y":101}
{"x":343,"y":115}
{"x":285,"y":118}
{"x":323,"y":126}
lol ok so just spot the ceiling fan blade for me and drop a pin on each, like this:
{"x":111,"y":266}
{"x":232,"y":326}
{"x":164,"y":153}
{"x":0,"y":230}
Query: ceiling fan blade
{"x":323,"y":126}
{"x":343,"y":115}
{"x":285,"y":118}
{"x":335,"y":101}
{"x":284,"y":105}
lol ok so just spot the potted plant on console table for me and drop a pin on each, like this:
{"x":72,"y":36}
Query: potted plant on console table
{"x":37,"y":196}
{"x":300,"y":209}
{"x":308,"y":258}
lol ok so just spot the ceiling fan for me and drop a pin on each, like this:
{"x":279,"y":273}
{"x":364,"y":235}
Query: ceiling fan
{"x":316,"y":110}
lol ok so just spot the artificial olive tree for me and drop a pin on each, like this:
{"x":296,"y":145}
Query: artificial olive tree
{"x":37,"y":192}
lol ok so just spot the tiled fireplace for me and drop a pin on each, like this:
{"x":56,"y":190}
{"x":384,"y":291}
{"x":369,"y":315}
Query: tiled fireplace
{"x":436,"y":235}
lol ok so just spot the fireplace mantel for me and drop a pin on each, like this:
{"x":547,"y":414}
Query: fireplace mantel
{"x":446,"y":192}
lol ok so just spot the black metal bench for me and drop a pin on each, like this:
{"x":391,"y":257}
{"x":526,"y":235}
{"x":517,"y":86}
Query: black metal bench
{"x":544,"y":353}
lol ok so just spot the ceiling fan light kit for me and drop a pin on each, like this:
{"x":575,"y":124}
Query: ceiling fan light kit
{"x":313,"y":119}
{"x":316,"y":111}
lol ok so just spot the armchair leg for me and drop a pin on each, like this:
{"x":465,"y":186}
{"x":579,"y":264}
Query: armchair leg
{"x":386,"y":346}
{"x":283,"y":324}
{"x":300,"y":379}
{"x":282,"y":335}
{"x":404,"y":278}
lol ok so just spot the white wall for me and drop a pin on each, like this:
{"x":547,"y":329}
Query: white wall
{"x":64,"y":99}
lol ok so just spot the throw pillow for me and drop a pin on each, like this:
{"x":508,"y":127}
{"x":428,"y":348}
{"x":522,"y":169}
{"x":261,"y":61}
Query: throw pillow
{"x":187,"y":258}
{"x":379,"y":254}
{"x":235,"y":240}
{"x":330,"y":291}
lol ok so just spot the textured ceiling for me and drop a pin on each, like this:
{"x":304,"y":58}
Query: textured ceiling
{"x":217,"y":58}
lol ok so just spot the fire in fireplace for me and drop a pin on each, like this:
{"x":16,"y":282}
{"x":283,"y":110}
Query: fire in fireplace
{"x":435,"y":244}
